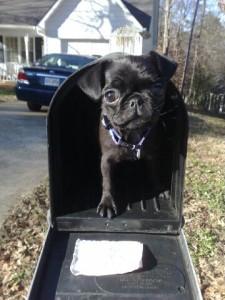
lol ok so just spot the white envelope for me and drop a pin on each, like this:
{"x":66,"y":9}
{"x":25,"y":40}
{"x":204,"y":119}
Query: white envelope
{"x":99,"y":258}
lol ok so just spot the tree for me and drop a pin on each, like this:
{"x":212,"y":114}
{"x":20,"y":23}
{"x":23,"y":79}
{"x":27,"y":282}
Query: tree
{"x":191,"y":95}
{"x":204,"y":65}
{"x":189,"y":47}
{"x":167,"y":20}
{"x":221,"y":4}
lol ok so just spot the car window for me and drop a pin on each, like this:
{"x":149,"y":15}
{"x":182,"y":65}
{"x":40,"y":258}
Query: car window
{"x":75,"y":62}
{"x":48,"y":61}
{"x":71,"y":62}
{"x":64,"y":61}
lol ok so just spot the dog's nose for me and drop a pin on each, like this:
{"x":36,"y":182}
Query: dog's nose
{"x":136,"y":102}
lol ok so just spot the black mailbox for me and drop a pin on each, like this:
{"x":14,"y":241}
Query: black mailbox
{"x":75,"y":191}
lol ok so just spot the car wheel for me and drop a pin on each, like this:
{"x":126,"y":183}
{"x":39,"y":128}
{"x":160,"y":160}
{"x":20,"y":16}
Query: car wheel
{"x":33,"y":106}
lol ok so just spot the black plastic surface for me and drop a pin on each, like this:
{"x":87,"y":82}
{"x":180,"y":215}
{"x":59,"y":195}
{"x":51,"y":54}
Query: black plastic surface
{"x":163,"y":276}
{"x":144,"y":216}
{"x":74,"y":167}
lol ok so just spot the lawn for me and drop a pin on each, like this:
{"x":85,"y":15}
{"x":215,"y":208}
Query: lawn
{"x":204,"y":202}
{"x":22,"y":234}
{"x":7,"y":93}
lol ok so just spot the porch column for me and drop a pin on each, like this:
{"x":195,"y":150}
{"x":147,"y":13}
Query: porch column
{"x":26,"y":41}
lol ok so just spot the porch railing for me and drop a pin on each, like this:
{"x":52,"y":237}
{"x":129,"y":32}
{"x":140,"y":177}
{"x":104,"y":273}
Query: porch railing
{"x":9,"y":71}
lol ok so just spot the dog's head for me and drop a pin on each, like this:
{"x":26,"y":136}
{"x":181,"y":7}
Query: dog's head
{"x":131,"y":88}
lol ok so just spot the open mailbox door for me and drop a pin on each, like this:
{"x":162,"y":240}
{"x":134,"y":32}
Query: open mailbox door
{"x":75,"y":191}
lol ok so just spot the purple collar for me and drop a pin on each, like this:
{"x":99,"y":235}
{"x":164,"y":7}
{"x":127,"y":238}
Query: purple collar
{"x":117,"y":138}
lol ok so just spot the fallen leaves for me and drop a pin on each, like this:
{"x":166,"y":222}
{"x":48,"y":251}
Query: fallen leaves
{"x":21,"y":238}
{"x":204,"y":207}
{"x":22,"y":234}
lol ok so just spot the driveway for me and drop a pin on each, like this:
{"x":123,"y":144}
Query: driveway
{"x":23,"y":152}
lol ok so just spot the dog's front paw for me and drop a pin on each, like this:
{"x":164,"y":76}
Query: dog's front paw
{"x":165,"y":195}
{"x":107,"y":207}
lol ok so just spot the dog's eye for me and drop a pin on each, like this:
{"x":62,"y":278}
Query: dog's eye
{"x":157,"y":89}
{"x":111,"y":95}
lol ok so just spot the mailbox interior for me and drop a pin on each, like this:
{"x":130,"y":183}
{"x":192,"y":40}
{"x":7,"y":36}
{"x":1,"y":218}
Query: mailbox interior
{"x":75,"y":175}
{"x":167,"y":272}
{"x":75,"y":191}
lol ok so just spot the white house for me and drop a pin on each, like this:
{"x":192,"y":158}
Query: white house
{"x":29,"y":30}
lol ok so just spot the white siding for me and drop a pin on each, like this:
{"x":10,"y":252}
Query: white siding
{"x":85,"y":47}
{"x":52,"y":45}
{"x":86,"y":24}
{"x":94,"y":19}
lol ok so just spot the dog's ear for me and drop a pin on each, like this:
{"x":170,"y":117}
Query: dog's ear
{"x":165,"y":66}
{"x":92,"y":81}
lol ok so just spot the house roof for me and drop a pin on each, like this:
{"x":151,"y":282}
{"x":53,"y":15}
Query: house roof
{"x":23,"y":12}
{"x":143,"y":5}
{"x":143,"y":18}
{"x":26,"y":12}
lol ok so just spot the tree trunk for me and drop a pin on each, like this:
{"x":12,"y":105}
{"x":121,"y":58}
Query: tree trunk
{"x":167,"y":19}
{"x":189,"y":48}
{"x":191,"y":94}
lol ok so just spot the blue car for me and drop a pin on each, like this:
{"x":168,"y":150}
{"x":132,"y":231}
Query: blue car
{"x":37,"y":84}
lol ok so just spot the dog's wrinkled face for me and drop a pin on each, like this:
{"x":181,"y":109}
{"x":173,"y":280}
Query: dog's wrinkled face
{"x":133,"y":94}
{"x":131,"y":88}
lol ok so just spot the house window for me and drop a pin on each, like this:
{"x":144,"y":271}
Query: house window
{"x":30,"y":50}
{"x":11,"y":49}
{"x":1,"y":50}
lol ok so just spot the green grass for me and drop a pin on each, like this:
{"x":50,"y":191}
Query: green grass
{"x":204,"y":201}
{"x":206,"y":161}
{"x":6,"y":90}
{"x":207,"y":243}
{"x":206,"y":181}
{"x":7,"y":93}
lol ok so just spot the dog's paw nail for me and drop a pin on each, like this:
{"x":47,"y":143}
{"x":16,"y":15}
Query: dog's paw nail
{"x":110,"y":214}
{"x":114,"y":208}
{"x":101,"y":210}
{"x":166,"y":194}
{"x":99,"y":207}
{"x":107,"y":211}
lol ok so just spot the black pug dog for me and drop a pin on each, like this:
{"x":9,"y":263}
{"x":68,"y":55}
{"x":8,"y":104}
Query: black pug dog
{"x":132,"y":93}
